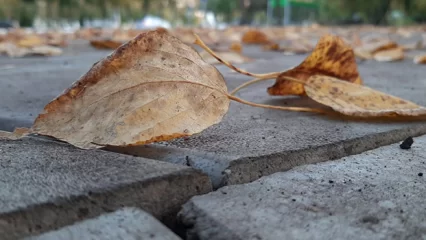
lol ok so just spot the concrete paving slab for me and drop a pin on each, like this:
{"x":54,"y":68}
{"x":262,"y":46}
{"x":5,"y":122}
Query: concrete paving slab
{"x":379,"y":194}
{"x":252,"y":142}
{"x":126,"y":224}
{"x":249,"y":142}
{"x":46,"y":185}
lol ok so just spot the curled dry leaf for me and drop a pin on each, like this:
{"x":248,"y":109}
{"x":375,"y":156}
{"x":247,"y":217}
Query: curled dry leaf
{"x":390,"y":55}
{"x":254,"y":36}
{"x":377,"y":46}
{"x":153,"y":88}
{"x":357,"y":100}
{"x":420,"y":59}
{"x":331,"y":57}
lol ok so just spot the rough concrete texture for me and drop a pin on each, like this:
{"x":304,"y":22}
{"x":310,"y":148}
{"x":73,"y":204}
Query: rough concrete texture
{"x":250,"y":142}
{"x":125,"y":224}
{"x":379,"y":194}
{"x":45,"y":185}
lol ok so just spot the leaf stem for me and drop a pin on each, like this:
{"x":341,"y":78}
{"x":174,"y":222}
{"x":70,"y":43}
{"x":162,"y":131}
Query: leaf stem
{"x":294,"y":109}
{"x":200,"y":43}
{"x":256,"y":80}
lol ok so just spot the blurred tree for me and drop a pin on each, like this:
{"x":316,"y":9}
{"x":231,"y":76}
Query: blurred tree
{"x":330,"y":11}
{"x":224,"y":9}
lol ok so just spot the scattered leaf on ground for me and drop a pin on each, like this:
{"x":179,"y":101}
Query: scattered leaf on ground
{"x":272,"y":47}
{"x":331,"y":57}
{"x":357,"y":100}
{"x":420,"y":59}
{"x":46,"y":51}
{"x":254,"y":36}
{"x":390,"y":55}
{"x":236,"y":47}
{"x":106,"y":44}
{"x":30,"y":41}
{"x":380,"y":45}
{"x":153,"y":88}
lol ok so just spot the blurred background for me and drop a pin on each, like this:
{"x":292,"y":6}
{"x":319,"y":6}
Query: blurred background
{"x":73,"y":14}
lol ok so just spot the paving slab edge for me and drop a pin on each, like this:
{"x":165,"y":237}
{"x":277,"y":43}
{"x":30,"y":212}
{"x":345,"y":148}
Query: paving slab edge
{"x":27,"y":222}
{"x":230,"y":170}
{"x":245,"y":170}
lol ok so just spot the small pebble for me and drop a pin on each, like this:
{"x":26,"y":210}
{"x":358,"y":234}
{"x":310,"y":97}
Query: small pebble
{"x":420,"y":174}
{"x":330,"y":181}
{"x":406,"y":144}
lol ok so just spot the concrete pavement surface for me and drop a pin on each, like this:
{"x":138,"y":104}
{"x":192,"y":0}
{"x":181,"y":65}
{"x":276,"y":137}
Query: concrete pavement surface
{"x":378,"y":194}
{"x":47,"y":185}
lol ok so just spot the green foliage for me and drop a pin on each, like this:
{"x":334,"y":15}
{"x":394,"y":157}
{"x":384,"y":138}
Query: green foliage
{"x":225,"y":9}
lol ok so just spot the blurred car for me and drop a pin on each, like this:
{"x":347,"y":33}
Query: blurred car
{"x":150,"y":21}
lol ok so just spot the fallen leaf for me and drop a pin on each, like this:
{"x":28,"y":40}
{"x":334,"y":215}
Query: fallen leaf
{"x":236,"y":47}
{"x":331,"y":57}
{"x":30,"y":41}
{"x":232,"y":57}
{"x":45,"y":51}
{"x":254,"y":36}
{"x":357,"y":100}
{"x":272,"y":47}
{"x":378,"y":46}
{"x":153,"y":88}
{"x":12,"y":50}
{"x":420,"y":59}
{"x":390,"y":55}
{"x":106,"y":44}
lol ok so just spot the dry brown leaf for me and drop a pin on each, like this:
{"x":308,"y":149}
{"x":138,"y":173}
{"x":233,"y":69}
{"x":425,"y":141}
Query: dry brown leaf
{"x":357,"y":100}
{"x":153,"y":88}
{"x":232,"y":57}
{"x":331,"y":57}
{"x":30,"y":41}
{"x":45,"y":51}
{"x":12,"y":50}
{"x":390,"y":55}
{"x":420,"y":59}
{"x":378,"y":46}
{"x":271,"y":47}
{"x":254,"y":36}
{"x":236,"y":47}
{"x":106,"y":44}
